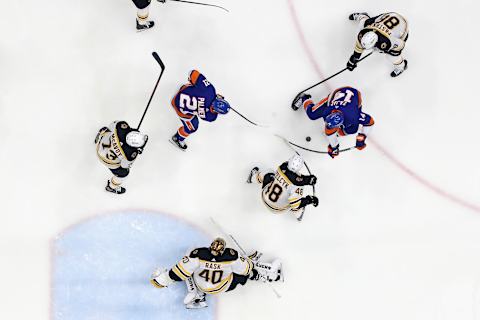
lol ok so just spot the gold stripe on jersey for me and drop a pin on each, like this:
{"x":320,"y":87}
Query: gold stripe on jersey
{"x":118,"y":143}
{"x":284,"y":176}
{"x":180,"y":272}
{"x":220,"y":287}
{"x":295,"y":202}
{"x":248,"y":268}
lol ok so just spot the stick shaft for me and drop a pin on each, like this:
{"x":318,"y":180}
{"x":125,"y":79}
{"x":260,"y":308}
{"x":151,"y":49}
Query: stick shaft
{"x":202,"y":4}
{"x":162,"y":66}
{"x":245,"y":118}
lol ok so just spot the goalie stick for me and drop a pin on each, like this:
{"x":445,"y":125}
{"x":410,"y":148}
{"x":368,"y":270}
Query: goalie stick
{"x":162,"y":67}
{"x":244,"y":253}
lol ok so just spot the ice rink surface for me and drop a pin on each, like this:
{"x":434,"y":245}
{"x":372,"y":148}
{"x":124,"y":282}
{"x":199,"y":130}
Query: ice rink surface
{"x":396,"y":235}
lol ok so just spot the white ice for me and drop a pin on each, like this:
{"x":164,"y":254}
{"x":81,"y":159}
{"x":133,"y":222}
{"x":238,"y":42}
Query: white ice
{"x":380,"y":245}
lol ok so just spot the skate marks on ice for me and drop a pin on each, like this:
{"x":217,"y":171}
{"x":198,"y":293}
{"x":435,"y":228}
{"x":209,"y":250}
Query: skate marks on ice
{"x":101,"y":268}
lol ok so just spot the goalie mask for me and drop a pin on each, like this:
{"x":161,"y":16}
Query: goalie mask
{"x":136,"y":139}
{"x":217,"y":247}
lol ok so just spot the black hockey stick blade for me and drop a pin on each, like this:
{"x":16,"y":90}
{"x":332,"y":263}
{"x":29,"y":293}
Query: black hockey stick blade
{"x":157,"y":57}
{"x":202,"y":4}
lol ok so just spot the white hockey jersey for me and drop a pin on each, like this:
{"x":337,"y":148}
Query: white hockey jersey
{"x":112,"y":149}
{"x":281,"y":194}
{"x":212,"y":274}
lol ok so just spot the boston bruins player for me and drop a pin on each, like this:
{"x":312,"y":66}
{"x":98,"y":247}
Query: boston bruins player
{"x":118,"y":147}
{"x":214,"y":270}
{"x":142,"y":14}
{"x":282,"y":190}
{"x":385,"y":33}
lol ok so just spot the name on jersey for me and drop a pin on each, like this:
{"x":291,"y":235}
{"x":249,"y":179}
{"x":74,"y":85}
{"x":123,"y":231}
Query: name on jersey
{"x":200,"y":102}
{"x":213,"y":266}
{"x":116,"y":148}
{"x":382,"y":27}
{"x":281,"y":180}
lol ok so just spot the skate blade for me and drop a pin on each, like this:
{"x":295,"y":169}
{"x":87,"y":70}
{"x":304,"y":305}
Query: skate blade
{"x":176,"y":147}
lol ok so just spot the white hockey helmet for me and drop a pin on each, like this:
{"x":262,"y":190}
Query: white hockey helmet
{"x":369,"y":40}
{"x":136,"y":139}
{"x":295,"y":163}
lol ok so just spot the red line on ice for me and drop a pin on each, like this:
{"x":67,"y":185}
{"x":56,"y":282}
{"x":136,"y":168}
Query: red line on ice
{"x":439,"y":191}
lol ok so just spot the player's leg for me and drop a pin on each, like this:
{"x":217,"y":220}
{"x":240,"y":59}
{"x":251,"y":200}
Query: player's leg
{"x":188,"y":127}
{"x":142,"y":14}
{"x":195,"y":299}
{"x":114,"y":184}
{"x":239,"y":280}
{"x":399,"y":65}
{"x":361,"y":17}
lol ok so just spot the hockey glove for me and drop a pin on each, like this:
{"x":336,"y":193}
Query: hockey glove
{"x":333,"y":151}
{"x":312,"y":200}
{"x":298,"y":102}
{"x":352,"y":63}
{"x":360,"y":144}
{"x":311,"y":180}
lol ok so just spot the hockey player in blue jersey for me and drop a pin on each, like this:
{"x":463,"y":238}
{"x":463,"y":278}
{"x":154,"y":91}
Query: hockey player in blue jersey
{"x":342,"y":113}
{"x":197,"y":99}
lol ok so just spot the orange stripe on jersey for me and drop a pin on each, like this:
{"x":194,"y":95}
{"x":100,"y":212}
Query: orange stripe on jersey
{"x":371,"y":123}
{"x":341,"y":132}
{"x":329,"y":132}
{"x":359,"y":99}
{"x":194,"y":76}
{"x":182,"y":132}
{"x":307,"y":103}
{"x":319,"y":104}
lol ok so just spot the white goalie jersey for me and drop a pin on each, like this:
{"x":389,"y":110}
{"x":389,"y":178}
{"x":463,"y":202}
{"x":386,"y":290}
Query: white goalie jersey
{"x":281,"y":193}
{"x":212,"y":275}
{"x":111,"y":147}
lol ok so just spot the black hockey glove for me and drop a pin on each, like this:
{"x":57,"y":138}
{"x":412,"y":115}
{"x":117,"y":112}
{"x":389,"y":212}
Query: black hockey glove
{"x":312,"y":200}
{"x":352,"y":63}
{"x":311,"y":180}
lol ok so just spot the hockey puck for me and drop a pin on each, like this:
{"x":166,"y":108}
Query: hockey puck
{"x":308,"y":138}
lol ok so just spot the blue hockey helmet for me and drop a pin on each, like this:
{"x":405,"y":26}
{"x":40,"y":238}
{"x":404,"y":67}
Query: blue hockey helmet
{"x":334,"y":119}
{"x":220,"y":105}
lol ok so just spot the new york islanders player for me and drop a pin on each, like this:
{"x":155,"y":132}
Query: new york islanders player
{"x":142,"y":14}
{"x":385,"y":33}
{"x":282,"y":190}
{"x":196,"y":99}
{"x":118,"y":146}
{"x":342,"y":113}
{"x":214,"y":270}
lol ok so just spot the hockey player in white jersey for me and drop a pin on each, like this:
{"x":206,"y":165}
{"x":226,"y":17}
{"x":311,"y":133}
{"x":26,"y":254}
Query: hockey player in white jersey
{"x":118,"y":146}
{"x":282,"y":190}
{"x":385,"y":33}
{"x":214,"y":270}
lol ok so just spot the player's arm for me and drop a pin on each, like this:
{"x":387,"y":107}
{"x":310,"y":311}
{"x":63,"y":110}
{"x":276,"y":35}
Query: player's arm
{"x":366,"y":122}
{"x":242,"y":266}
{"x":397,"y":46}
{"x":180,"y":272}
{"x":297,"y":202}
{"x":196,"y":77}
{"x":315,"y":111}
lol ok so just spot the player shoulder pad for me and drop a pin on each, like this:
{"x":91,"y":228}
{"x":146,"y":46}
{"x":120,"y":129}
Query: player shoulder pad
{"x":122,"y":129}
{"x":228,"y":255}
{"x":294,"y":178}
{"x":201,"y":253}
{"x":194,"y":76}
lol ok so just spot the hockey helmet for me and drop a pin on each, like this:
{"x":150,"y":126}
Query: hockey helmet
{"x":334,"y":119}
{"x":218,"y":246}
{"x":136,"y":139}
{"x":295,"y":163}
{"x":220,"y":105}
{"x":369,"y":40}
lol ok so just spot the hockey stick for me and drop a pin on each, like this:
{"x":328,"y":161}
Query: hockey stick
{"x":319,"y":83}
{"x":300,"y":218}
{"x":162,"y":66}
{"x":202,"y":4}
{"x":245,"y":118}
{"x":311,"y":150}
{"x":241,"y":250}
